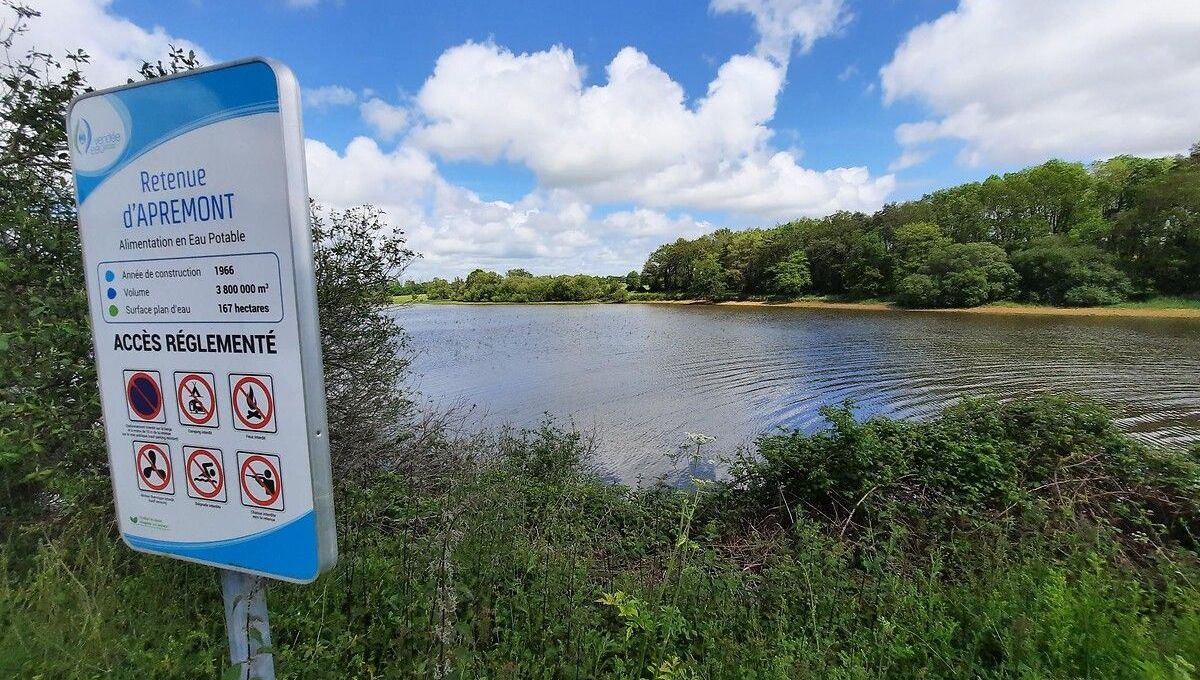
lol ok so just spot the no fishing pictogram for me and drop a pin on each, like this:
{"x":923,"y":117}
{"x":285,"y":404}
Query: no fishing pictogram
{"x":205,"y":473}
{"x":253,"y":399}
{"x":152,"y":463}
{"x":260,"y":480}
{"x":196,"y":399}
{"x":144,"y":397}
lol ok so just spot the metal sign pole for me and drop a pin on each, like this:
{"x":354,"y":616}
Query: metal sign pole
{"x":247,"y":625}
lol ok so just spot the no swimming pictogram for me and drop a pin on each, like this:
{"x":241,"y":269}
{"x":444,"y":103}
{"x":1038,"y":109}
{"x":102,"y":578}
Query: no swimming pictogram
{"x":253,"y":399}
{"x":260,"y":479}
{"x":144,"y":397}
{"x":196,"y":399}
{"x":152,"y":463}
{"x":205,"y":473}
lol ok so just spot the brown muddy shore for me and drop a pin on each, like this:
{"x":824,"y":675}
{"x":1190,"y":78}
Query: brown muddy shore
{"x":1028,"y":310}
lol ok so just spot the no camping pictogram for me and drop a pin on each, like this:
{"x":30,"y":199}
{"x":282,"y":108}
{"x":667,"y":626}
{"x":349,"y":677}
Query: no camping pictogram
{"x":152,"y":463}
{"x":253,"y":399}
{"x":196,"y":399}
{"x":260,"y":479}
{"x":144,"y":397}
{"x":205,"y":473}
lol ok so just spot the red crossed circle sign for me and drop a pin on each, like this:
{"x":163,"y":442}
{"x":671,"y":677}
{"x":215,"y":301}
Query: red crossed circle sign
{"x":142,"y":392}
{"x":203,"y":466}
{"x":152,"y":462}
{"x":195,"y":389}
{"x":260,"y":480}
{"x":242,"y":390}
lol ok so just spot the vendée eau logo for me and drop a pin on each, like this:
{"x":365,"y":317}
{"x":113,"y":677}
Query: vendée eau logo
{"x":99,"y":133}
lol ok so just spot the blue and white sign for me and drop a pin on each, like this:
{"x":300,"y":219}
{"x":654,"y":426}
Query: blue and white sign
{"x":193,"y":212}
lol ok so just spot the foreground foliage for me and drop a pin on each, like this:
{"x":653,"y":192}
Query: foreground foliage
{"x":878,"y":549}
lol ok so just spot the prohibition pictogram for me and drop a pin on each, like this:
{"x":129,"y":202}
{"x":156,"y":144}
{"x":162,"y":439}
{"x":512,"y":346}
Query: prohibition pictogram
{"x":253,"y":400}
{"x":205,"y":473}
{"x":144,"y":397}
{"x":260,"y":480}
{"x":196,"y":398}
{"x":152,"y":464}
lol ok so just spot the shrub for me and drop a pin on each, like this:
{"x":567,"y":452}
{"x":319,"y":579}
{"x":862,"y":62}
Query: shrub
{"x":959,"y":275}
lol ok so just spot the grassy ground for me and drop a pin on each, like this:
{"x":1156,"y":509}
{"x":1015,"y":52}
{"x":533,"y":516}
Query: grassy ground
{"x":529,"y":567}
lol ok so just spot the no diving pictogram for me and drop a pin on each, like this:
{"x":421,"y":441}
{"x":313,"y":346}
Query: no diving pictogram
{"x":152,"y":463}
{"x":196,"y":399}
{"x":205,"y":473}
{"x":144,"y":397}
{"x":260,"y":479}
{"x":253,"y":398}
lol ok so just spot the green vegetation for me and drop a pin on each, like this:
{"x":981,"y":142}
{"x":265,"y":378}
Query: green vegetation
{"x":518,"y":285}
{"x":1124,"y":229}
{"x":1024,"y":540}
{"x":1058,"y":233}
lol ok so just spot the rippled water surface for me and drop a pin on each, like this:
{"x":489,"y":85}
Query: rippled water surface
{"x":640,"y":376}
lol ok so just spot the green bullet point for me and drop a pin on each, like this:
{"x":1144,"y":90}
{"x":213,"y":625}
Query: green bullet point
{"x":112,"y":310}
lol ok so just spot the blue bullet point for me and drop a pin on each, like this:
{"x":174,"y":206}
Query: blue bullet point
{"x":109,"y":276}
{"x":111,"y":293}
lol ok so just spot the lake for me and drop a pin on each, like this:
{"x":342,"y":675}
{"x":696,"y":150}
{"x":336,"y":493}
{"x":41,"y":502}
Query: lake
{"x":641,"y":376}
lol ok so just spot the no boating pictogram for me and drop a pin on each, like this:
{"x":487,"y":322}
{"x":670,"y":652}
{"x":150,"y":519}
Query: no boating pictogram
{"x":205,"y":473}
{"x":152,"y":464}
{"x":253,"y":399}
{"x":196,"y":398}
{"x":144,"y":397}
{"x":261,"y":482}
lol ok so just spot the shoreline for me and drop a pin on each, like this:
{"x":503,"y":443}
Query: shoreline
{"x":995,"y":310}
{"x":991,"y":310}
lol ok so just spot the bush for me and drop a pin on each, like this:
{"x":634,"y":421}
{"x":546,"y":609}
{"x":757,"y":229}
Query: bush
{"x":1057,"y":271}
{"x":1091,"y":296}
{"x":959,"y":275}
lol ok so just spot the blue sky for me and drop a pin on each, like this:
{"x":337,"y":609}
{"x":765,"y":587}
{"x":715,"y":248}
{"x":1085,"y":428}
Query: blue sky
{"x":568,"y":137}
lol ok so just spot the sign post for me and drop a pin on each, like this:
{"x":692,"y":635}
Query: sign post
{"x":193,"y":216}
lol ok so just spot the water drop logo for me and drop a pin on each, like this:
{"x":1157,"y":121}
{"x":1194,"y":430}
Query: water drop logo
{"x":99,"y":133}
{"x":83,"y":136}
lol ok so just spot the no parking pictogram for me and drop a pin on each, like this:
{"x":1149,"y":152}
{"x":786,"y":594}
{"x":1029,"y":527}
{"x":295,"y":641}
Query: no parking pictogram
{"x":152,"y":462}
{"x":196,"y":398}
{"x":253,"y":398}
{"x":205,"y":473}
{"x":144,"y":397}
{"x":260,"y":479}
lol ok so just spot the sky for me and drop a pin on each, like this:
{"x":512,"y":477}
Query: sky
{"x":566,"y":137}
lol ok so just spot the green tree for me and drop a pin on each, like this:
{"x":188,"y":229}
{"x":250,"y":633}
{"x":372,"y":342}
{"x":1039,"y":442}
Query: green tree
{"x":1058,"y":271}
{"x":51,"y":445}
{"x":913,"y":244}
{"x":633,"y":281}
{"x":960,"y":275}
{"x":791,"y":276}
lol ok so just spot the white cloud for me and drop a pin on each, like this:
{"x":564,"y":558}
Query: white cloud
{"x":1020,"y":81}
{"x":633,"y":138}
{"x":385,"y":119}
{"x":117,"y":46}
{"x":782,"y":23}
{"x":456,"y":230}
{"x":328,"y":95}
{"x":908,"y":159}
{"x":302,"y":4}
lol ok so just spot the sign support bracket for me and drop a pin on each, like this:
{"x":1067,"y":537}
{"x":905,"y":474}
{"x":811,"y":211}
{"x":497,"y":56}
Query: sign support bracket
{"x":247,"y":625}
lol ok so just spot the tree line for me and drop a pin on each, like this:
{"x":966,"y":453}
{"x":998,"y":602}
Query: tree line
{"x":518,"y":285}
{"x":1058,"y":233}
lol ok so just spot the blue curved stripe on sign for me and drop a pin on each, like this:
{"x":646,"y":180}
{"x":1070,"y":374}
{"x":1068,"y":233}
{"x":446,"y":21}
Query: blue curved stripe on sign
{"x":174,"y":107}
{"x":288,"y":551}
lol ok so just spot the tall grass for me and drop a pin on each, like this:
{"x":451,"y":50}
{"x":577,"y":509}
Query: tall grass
{"x":526,"y":566}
